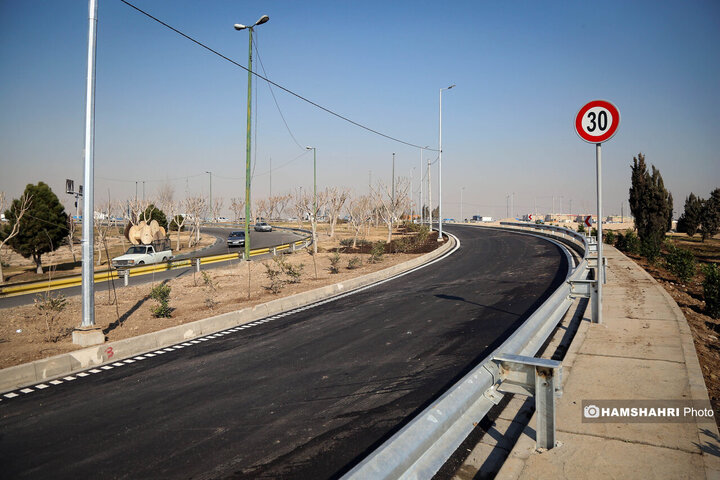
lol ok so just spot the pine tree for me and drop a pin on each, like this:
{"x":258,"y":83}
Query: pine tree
{"x":689,"y":221}
{"x":710,"y":215}
{"x":43,"y":228}
{"x":651,"y":206}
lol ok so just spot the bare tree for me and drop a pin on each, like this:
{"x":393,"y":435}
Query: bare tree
{"x":165,"y":202}
{"x":18,"y":210}
{"x":390,"y":206}
{"x":179,"y":219}
{"x":196,"y":208}
{"x":102,"y":225}
{"x":237,"y":206}
{"x":217,"y":205}
{"x":72,"y":226}
{"x":360,"y":213}
{"x":335,"y":199}
{"x":262,"y":208}
{"x":277,"y":205}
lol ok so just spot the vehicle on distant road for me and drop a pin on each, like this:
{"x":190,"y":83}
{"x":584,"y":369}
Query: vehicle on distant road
{"x":144,"y":254}
{"x":223,"y":219}
{"x":236,"y":239}
{"x":263,"y":227}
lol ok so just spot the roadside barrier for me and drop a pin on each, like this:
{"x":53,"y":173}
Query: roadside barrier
{"x":112,"y":274}
{"x":421,"y":448}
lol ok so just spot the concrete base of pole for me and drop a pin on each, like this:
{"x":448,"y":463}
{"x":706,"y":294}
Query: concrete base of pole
{"x":86,"y":337}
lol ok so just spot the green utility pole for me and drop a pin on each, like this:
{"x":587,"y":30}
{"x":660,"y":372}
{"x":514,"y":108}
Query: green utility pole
{"x":247,"y":151}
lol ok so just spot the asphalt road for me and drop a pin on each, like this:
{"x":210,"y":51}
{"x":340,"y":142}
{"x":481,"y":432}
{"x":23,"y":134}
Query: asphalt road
{"x":257,"y":240}
{"x":303,"y":396}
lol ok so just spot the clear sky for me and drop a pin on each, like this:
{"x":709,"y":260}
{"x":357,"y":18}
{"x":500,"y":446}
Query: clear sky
{"x":168,"y":110}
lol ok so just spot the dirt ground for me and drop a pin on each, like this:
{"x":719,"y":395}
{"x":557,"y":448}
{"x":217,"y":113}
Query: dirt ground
{"x":44,"y":329}
{"x":689,"y":297}
{"x":17,"y":268}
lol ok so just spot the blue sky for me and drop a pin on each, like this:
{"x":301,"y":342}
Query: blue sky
{"x":167,"y":110}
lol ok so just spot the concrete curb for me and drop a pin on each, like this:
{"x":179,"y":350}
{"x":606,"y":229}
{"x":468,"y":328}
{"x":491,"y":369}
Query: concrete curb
{"x":65,"y":364}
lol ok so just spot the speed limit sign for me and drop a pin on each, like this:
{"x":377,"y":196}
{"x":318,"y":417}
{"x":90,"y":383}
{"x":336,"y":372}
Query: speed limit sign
{"x":597,"y":121}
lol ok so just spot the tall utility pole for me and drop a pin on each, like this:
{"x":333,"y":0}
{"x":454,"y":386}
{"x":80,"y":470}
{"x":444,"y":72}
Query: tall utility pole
{"x":440,"y":219}
{"x":512,"y":205}
{"x":271,"y":176}
{"x":88,"y":260}
{"x":315,"y":209}
{"x":239,"y":26}
{"x":422,"y":212}
{"x":430,"y":209}
{"x":143,"y":182}
{"x":461,"y":204}
{"x":212,"y":212}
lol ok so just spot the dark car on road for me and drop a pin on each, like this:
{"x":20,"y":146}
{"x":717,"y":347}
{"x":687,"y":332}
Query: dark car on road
{"x":236,"y":239}
{"x":263,"y":227}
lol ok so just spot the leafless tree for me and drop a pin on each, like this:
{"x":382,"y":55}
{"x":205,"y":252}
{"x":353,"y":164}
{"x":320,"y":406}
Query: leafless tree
{"x":179,"y":218}
{"x":196,"y":208}
{"x":72,"y":226}
{"x":165,"y":202}
{"x":335,"y":199}
{"x":18,"y":210}
{"x":237,"y":206}
{"x":360,"y":213}
{"x":278,"y":204}
{"x":217,"y":205}
{"x":262,"y":208}
{"x":391,"y":207}
{"x":102,"y":225}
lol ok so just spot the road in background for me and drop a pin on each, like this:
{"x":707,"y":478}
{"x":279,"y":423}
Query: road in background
{"x":303,"y":396}
{"x":257,"y":240}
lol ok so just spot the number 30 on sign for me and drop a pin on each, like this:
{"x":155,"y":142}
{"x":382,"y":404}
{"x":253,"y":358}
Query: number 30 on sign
{"x":597,"y":121}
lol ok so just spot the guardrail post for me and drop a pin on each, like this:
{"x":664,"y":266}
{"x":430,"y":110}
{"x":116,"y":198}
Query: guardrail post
{"x":274,"y":250}
{"x":535,"y":377}
{"x":197,"y":264}
{"x":587,"y":289}
{"x":125,"y":274}
{"x":292,"y":247}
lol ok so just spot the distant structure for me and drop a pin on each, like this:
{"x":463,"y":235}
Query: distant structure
{"x":480,"y":218}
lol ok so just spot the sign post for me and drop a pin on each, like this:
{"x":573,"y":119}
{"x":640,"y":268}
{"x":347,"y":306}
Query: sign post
{"x":597,"y":122}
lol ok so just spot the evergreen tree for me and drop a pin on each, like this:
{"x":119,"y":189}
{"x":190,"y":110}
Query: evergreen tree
{"x":650,"y":205}
{"x":153,"y":213}
{"x":689,"y":221}
{"x":710,"y":215}
{"x":43,"y":228}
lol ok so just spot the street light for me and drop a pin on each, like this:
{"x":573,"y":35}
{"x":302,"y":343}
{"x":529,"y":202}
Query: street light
{"x":314,"y":218}
{"x":239,"y":26}
{"x":440,"y":219}
{"x":212,"y":213}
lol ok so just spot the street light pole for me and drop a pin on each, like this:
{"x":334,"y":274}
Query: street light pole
{"x":239,"y":26}
{"x":88,"y":280}
{"x":461,"y":204}
{"x":314,"y":217}
{"x":420,"y":204}
{"x":440,"y":219}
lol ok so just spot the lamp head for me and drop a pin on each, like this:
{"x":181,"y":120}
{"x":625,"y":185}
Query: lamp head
{"x":239,"y":26}
{"x":451,"y":86}
{"x":309,"y":148}
{"x":262,"y":20}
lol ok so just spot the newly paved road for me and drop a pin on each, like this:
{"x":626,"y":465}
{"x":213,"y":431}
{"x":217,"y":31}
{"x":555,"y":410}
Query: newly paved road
{"x":304,"y":396}
{"x":257,"y":240}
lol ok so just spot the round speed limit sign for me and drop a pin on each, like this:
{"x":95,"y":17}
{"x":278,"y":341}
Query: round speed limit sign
{"x":597,"y":121}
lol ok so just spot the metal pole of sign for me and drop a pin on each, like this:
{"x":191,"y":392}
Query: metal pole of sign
{"x":599,"y":270}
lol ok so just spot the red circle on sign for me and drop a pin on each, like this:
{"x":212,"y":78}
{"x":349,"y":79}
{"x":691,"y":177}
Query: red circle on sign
{"x":612,"y":128}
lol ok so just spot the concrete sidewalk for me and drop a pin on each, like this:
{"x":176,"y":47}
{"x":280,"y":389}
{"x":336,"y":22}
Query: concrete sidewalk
{"x":643,"y":351}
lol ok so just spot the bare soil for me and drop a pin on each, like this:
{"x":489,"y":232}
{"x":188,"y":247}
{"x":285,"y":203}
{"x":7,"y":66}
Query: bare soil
{"x":37,"y":331}
{"x":689,"y":297}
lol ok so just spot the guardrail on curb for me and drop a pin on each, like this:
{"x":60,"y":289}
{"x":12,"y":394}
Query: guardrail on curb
{"x":112,"y":274}
{"x":65,"y":364}
{"x":421,"y":448}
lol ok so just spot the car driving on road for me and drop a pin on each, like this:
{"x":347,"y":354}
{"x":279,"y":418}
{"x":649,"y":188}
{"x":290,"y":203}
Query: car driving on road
{"x":263,"y":227}
{"x":236,"y":239}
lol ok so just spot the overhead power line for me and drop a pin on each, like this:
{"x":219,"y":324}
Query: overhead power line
{"x":273,"y":83}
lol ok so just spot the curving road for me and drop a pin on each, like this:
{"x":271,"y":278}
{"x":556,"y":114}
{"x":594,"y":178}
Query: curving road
{"x":302,"y":396}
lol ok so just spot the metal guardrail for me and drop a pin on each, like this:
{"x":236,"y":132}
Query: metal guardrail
{"x":420,"y":448}
{"x":112,"y":274}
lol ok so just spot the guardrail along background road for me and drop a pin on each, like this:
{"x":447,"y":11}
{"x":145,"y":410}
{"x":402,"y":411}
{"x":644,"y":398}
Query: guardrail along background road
{"x":306,"y":395}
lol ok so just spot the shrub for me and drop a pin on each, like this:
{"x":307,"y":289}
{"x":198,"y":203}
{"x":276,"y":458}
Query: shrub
{"x":681,"y":262}
{"x":161,"y":294}
{"x":422,"y":235}
{"x":334,"y":263}
{"x":711,"y":290}
{"x":609,"y":237}
{"x":211,"y":292}
{"x":377,"y":251}
{"x":354,"y":263}
{"x":629,"y":242}
{"x":50,"y":305}
{"x":581,"y":227}
{"x":402,"y":245}
{"x":593,"y":232}
{"x":276,"y":283}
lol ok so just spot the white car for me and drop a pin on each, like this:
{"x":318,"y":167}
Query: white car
{"x":141,"y":255}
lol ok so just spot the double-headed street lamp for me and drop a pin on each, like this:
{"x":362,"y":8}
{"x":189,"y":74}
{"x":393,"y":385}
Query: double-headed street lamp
{"x":440,"y":218}
{"x":239,"y":26}
{"x":314,"y":219}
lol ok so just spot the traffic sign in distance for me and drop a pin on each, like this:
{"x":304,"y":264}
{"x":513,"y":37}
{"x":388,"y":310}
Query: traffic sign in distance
{"x":530,"y":217}
{"x":597,"y":121}
{"x":587,"y":221}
